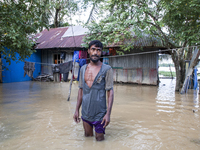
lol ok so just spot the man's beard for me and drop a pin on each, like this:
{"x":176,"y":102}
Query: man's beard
{"x":95,"y":60}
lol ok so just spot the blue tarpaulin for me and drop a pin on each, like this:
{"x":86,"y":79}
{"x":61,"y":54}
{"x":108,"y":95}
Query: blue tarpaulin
{"x":76,"y":56}
{"x":195,"y":79}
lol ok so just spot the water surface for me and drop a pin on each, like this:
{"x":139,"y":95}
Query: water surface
{"x":37,"y":115}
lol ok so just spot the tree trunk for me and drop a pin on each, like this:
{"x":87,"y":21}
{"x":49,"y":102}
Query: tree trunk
{"x":178,"y":77}
{"x":182,"y":70}
{"x":178,"y":71}
{"x":56,"y":22}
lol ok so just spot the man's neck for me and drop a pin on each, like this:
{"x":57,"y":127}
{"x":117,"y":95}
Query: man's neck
{"x":99,"y":63}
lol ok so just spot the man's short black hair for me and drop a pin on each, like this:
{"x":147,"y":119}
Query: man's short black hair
{"x":97,"y":43}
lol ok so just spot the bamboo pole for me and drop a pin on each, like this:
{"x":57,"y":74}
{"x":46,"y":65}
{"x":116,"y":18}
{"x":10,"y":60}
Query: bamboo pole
{"x":190,"y":70}
{"x":70,"y":87}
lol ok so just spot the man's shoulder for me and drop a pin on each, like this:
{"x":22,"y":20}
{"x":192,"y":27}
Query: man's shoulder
{"x":83,"y":67}
{"x":106,"y":67}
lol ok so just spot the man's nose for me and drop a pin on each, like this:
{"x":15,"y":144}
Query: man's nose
{"x":95,"y":51}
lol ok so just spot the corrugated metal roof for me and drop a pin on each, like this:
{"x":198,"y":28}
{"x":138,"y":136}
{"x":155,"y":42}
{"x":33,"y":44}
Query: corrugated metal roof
{"x":53,"y":39}
{"x":75,"y":31}
{"x":140,"y":42}
{"x":144,"y":41}
{"x":56,"y":38}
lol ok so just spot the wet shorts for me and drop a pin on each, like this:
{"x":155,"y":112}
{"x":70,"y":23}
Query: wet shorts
{"x":97,"y":125}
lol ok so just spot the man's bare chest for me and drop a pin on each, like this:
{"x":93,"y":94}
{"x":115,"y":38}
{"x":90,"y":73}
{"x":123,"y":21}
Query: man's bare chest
{"x":90,"y":74}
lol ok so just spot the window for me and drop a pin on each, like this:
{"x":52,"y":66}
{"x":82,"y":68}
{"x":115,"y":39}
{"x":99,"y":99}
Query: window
{"x":57,"y":59}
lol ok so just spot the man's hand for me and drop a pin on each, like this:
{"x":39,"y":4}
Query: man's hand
{"x":106,"y":120}
{"x":76,"y":117}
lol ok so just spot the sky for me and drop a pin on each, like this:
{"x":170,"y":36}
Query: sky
{"x":81,"y":16}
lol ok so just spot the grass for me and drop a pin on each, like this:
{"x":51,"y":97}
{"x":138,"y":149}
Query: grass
{"x":167,"y":73}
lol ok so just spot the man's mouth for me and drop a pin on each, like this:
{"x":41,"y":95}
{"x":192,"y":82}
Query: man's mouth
{"x":94,"y":56}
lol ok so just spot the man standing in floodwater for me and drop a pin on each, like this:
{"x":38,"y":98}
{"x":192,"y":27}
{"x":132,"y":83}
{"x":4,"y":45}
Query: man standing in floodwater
{"x":95,"y":79}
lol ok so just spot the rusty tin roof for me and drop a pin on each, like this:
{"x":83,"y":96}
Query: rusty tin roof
{"x":52,"y":38}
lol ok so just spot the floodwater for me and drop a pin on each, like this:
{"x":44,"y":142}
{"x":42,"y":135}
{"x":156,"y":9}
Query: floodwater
{"x":37,"y":115}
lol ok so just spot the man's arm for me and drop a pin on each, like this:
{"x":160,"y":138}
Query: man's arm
{"x":106,"y":118}
{"x":78,"y":105}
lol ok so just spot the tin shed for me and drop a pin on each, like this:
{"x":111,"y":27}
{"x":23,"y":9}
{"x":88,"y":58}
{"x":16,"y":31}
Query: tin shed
{"x":139,"y":65}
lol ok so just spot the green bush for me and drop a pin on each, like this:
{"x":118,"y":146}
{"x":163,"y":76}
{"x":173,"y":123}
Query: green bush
{"x":167,"y":73}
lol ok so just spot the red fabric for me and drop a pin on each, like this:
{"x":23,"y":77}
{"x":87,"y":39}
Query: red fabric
{"x":79,"y":54}
{"x":83,"y":54}
{"x":112,"y":51}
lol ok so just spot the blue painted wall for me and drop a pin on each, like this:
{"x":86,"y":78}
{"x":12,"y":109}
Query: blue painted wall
{"x":15,"y":72}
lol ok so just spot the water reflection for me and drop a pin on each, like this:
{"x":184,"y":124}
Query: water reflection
{"x":166,"y":96}
{"x":196,"y":99}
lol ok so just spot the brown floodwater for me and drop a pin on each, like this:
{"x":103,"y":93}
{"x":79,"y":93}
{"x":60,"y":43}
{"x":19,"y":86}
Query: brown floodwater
{"x":37,"y":115}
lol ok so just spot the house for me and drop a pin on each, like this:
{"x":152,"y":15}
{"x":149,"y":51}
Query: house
{"x":57,"y":45}
{"x":53,"y":46}
{"x":133,"y":67}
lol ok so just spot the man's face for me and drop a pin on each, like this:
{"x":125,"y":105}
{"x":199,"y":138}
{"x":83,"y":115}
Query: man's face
{"x":94,"y":53}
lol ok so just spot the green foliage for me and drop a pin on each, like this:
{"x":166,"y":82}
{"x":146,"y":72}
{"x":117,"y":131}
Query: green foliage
{"x":112,"y":28}
{"x":61,"y":24}
{"x":174,"y":23}
{"x":61,"y":11}
{"x":19,"y":19}
{"x":167,"y":73}
{"x":166,"y":65}
{"x":183,"y":19}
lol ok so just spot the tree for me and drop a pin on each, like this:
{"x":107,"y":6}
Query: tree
{"x":183,"y":21}
{"x":165,"y":20}
{"x":19,"y":19}
{"x":61,"y":11}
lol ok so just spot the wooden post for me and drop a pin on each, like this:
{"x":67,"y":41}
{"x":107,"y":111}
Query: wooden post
{"x":190,"y":70}
{"x":70,"y":87}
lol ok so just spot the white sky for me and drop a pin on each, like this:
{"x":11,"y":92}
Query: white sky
{"x":81,"y":16}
